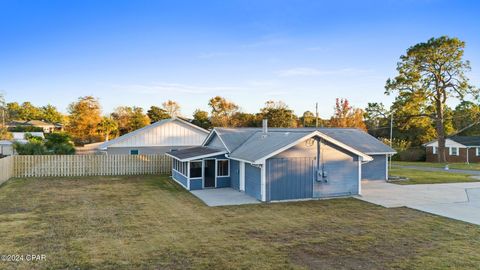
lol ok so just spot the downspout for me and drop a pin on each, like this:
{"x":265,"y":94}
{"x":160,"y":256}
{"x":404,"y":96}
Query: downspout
{"x":468,"y":149}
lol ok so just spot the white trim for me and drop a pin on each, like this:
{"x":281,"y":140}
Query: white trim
{"x":316,"y":133}
{"x":359,"y":176}
{"x":178,"y":182}
{"x":434,"y":149}
{"x":203,"y":172}
{"x":477,"y":151}
{"x":219,"y":137}
{"x":386,"y":167}
{"x":197,"y":157}
{"x":239,"y":159}
{"x":188,"y":172}
{"x":228,"y":167}
{"x":263,"y":182}
{"x":179,"y":173}
{"x":450,"y":151}
{"x":380,"y":153}
{"x":241,"y":184}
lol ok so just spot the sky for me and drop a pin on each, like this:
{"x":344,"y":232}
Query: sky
{"x":142,"y":53}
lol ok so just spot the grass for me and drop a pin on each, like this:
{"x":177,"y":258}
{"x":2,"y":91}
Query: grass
{"x":152,"y":223}
{"x":459,"y":166}
{"x":429,"y":177}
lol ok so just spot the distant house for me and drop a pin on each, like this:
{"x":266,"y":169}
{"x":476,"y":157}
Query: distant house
{"x":458,"y":149}
{"x":283,"y":163}
{"x":157,"y":138}
{"x":6,"y":148}
{"x":47,"y":127}
{"x":21,"y":137}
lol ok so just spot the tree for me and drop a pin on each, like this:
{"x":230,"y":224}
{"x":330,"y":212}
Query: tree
{"x":466,"y":118}
{"x":30,"y":112}
{"x":156,"y":114}
{"x":107,"y":127}
{"x":129,"y":119}
{"x":241,"y":119}
{"x":377,"y":120}
{"x":138,"y":119}
{"x":84,"y":118}
{"x":13,"y":110}
{"x":4,"y":134}
{"x":347,"y":116}
{"x":222,"y":111}
{"x":278,"y":114}
{"x":201,"y":119}
{"x":59,"y":143}
{"x":50,"y":114}
{"x":172,"y":108}
{"x":430,"y":74}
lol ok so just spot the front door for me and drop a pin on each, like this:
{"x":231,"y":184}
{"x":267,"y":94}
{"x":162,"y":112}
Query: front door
{"x":209,"y":173}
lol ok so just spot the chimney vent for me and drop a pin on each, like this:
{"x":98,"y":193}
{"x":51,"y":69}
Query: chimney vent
{"x":265,"y":126}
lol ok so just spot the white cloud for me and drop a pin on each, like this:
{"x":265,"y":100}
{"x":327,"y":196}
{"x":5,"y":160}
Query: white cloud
{"x":304,"y":71}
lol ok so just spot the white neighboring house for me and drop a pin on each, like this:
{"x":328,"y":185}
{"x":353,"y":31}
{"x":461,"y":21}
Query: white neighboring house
{"x":6,"y":147}
{"x":157,"y":138}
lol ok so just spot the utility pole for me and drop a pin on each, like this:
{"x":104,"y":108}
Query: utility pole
{"x":316,"y":115}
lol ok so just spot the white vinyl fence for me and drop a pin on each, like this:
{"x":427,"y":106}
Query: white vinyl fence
{"x":6,"y":169}
{"x":89,"y":165}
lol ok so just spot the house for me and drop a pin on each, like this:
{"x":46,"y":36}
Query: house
{"x":458,"y":149}
{"x":6,"y":148}
{"x":283,"y":163}
{"x":157,"y":138}
{"x":21,"y":137}
{"x":47,"y":127}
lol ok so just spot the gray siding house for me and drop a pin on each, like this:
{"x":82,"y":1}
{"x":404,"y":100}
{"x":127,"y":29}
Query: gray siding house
{"x":157,"y":138}
{"x":283,"y":164}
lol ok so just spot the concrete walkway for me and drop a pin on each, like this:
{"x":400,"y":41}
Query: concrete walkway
{"x":223,"y":196}
{"x":459,"y":201}
{"x":433,"y":169}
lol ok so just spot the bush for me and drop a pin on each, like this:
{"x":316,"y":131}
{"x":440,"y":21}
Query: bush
{"x":411,"y":154}
{"x":55,"y":143}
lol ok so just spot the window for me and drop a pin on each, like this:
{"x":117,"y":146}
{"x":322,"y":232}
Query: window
{"x":477,"y":151}
{"x":134,"y":152}
{"x":180,"y":167}
{"x":195,"y":169}
{"x":435,"y":150}
{"x":453,"y":151}
{"x":222,"y":167}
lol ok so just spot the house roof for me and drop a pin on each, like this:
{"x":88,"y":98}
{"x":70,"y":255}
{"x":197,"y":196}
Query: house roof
{"x":195,"y":153}
{"x":140,"y":130}
{"x":260,"y":146}
{"x":249,"y":143}
{"x":35,"y":123}
{"x":466,"y":140}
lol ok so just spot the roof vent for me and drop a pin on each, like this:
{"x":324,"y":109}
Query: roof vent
{"x":265,"y":126}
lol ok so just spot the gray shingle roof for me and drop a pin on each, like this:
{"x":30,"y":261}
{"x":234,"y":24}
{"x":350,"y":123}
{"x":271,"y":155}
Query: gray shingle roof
{"x":250,"y":144}
{"x":194,"y":152}
{"x":466,"y":140}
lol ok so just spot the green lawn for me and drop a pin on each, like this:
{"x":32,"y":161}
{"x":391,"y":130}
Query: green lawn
{"x":152,"y":223}
{"x":426,"y":177}
{"x":460,"y":166}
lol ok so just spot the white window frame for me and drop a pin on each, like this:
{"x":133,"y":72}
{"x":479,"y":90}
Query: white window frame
{"x":228,"y":168}
{"x":477,"y":151}
{"x":435,"y":150}
{"x":450,"y":152}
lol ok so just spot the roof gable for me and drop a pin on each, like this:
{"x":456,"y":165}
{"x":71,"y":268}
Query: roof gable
{"x":150,"y":137}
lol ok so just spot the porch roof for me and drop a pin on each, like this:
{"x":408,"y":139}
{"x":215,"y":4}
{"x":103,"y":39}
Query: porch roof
{"x":197,"y":152}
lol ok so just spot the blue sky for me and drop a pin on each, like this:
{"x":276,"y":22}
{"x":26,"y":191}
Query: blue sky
{"x":144,"y":52}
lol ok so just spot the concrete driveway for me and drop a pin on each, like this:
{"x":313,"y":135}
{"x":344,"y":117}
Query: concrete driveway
{"x":459,"y":201}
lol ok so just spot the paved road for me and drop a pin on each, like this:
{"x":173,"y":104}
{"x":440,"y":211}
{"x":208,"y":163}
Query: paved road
{"x":433,"y":169}
{"x":459,"y":201}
